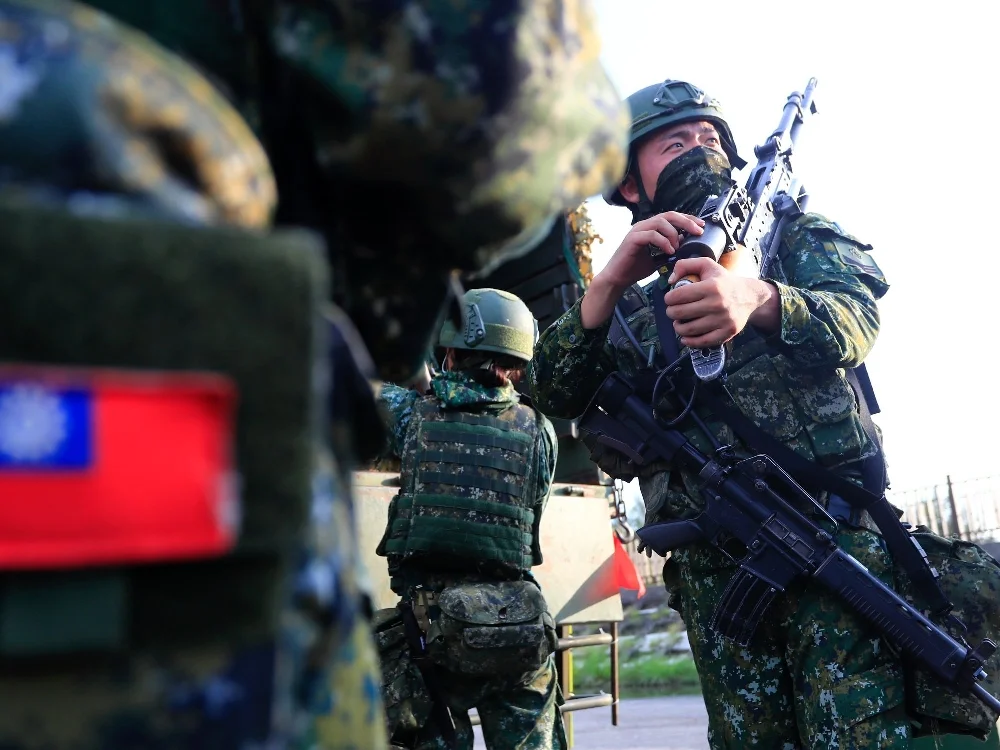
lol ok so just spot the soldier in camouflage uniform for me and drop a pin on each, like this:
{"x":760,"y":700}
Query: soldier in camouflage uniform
{"x":815,"y":674}
{"x":477,"y":126}
{"x":462,"y":535}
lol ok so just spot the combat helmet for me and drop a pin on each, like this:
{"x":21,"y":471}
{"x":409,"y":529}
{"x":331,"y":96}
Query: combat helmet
{"x":669,"y":103}
{"x":494,"y":321}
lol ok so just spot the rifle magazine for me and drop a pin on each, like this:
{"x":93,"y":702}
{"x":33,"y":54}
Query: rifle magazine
{"x":744,"y":602}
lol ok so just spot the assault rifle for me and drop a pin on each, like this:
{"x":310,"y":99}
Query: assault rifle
{"x":751,"y":216}
{"x":756,"y":503}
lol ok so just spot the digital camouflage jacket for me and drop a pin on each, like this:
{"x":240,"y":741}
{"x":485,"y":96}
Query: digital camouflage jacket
{"x":486,"y":480}
{"x":791,"y":384}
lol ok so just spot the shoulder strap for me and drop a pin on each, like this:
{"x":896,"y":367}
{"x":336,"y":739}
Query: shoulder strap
{"x":630,"y":303}
{"x":669,"y":345}
{"x":814,"y":477}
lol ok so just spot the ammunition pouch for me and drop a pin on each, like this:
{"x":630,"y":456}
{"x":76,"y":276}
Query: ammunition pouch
{"x":970,"y":579}
{"x":501,"y":629}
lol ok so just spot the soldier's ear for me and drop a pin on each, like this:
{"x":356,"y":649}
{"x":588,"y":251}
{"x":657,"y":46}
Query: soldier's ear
{"x":628,"y":189}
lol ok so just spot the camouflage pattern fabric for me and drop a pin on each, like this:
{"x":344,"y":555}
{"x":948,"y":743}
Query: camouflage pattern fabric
{"x":814,"y":676}
{"x":792,"y":386}
{"x":970,"y":579}
{"x":97,"y":120}
{"x":97,"y":115}
{"x":492,"y":628}
{"x":456,"y":390}
{"x":467,"y":126}
{"x":515,"y":711}
{"x":465,"y":484}
{"x":686,"y":182}
{"x":790,"y":383}
{"x":316,"y":686}
{"x":464,"y":128}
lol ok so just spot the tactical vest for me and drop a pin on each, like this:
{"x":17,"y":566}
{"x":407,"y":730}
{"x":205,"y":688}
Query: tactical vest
{"x":812,"y":411}
{"x":467,"y":487}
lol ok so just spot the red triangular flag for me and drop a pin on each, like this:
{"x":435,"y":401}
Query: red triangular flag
{"x":628,"y":577}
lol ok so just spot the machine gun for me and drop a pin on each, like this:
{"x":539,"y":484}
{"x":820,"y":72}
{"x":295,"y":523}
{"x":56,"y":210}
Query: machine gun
{"x":756,"y":507}
{"x":752,"y":216}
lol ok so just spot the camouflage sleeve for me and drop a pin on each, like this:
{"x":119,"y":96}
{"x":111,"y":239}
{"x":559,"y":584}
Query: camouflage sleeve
{"x":469,"y":127}
{"x":829,"y":286}
{"x":397,"y":407}
{"x":570,"y":362}
{"x":547,"y":455}
{"x":483,"y":120}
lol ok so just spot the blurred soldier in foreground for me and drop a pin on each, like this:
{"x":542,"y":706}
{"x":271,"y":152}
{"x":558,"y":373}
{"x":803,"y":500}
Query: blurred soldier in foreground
{"x":472,"y":628}
{"x":144,"y":176}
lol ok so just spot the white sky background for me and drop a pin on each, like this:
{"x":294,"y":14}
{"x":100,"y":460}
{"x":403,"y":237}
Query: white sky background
{"x":902,"y":154}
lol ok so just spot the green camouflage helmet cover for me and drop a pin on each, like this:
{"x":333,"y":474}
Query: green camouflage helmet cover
{"x":670,"y":103}
{"x":494,"y":321}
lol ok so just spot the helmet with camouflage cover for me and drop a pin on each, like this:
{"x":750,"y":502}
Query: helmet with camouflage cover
{"x":670,"y":103}
{"x":494,"y":321}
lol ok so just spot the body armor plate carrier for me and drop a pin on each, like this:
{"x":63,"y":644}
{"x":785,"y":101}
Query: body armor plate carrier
{"x":467,"y":487}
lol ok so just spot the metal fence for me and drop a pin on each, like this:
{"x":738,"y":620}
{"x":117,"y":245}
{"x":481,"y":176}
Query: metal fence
{"x":968,"y":508}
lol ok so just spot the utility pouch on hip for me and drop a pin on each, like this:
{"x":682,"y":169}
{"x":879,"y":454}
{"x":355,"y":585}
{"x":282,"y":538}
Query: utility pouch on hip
{"x":970,"y":579}
{"x":492,"y":628}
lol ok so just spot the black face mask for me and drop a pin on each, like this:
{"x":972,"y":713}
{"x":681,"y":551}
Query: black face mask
{"x":689,"y":180}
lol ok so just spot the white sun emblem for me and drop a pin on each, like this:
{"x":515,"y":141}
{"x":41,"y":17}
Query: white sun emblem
{"x":32,"y":423}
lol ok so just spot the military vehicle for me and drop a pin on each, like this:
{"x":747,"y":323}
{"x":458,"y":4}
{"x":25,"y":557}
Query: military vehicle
{"x":585,"y":513}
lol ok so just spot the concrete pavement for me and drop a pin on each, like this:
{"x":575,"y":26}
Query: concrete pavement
{"x":665,"y":723}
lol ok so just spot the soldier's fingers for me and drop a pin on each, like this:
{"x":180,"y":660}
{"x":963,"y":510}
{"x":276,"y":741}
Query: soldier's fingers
{"x":687,"y":222}
{"x":703,"y":268}
{"x":654,"y":237}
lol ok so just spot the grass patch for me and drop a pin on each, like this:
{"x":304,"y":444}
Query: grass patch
{"x":671,"y":674}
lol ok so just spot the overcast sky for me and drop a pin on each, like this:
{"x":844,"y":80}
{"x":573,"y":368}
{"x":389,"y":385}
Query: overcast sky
{"x":901,"y":154}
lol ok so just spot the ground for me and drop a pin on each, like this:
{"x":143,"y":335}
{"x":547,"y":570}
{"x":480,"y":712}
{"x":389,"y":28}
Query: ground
{"x":668,"y":723}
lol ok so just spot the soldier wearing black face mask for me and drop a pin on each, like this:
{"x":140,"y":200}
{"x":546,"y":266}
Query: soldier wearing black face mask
{"x":815,"y":674}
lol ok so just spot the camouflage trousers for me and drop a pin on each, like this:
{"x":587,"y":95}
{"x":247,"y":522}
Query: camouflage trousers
{"x":815,"y":675}
{"x":516,"y":712}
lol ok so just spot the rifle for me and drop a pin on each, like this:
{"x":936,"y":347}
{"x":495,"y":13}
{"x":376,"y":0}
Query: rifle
{"x":418,"y":654}
{"x":752,"y":216}
{"x":755,"y":502}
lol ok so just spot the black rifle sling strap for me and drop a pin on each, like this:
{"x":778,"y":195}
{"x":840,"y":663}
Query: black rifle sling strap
{"x":815,"y":478}
{"x":418,"y":654}
{"x":873,"y":472}
{"x":664,"y":327}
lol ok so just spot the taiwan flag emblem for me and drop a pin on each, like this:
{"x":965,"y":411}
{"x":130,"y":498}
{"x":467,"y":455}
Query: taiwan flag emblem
{"x":103,"y":467}
{"x":45,"y":428}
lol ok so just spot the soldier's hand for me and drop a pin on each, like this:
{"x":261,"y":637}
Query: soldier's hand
{"x":642,"y":547}
{"x":714,"y":309}
{"x":632,"y":260}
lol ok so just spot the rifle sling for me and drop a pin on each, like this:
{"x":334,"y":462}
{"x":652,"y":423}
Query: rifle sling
{"x":670,"y":347}
{"x":870,"y":498}
{"x":815,"y":478}
{"x":418,"y":654}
